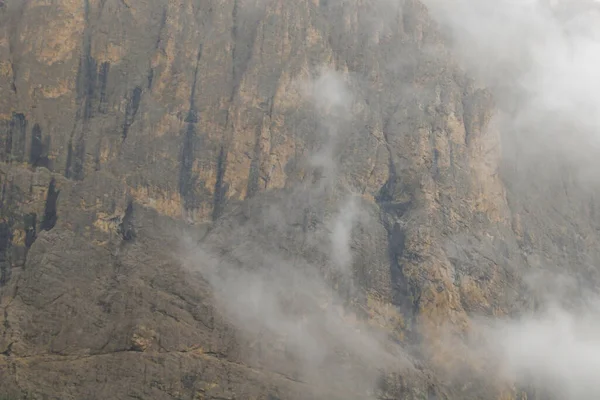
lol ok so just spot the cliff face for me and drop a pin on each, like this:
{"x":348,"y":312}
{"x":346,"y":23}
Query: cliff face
{"x":127,"y":126}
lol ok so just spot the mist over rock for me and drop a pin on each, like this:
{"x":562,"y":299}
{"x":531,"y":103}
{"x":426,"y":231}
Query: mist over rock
{"x":299,"y":199}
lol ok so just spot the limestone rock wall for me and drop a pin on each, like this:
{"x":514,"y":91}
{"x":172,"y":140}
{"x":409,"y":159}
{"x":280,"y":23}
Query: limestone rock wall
{"x":124,"y":121}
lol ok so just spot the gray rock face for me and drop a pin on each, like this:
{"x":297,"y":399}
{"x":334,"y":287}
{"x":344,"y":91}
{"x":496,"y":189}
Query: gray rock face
{"x":260,"y":199}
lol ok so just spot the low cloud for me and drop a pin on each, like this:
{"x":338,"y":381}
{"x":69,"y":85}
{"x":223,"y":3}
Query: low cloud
{"x":286,"y":275}
{"x":555,"y":350}
{"x":540,"y":58}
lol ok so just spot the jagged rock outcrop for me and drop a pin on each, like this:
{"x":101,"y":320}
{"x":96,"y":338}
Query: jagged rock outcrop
{"x":126,"y":125}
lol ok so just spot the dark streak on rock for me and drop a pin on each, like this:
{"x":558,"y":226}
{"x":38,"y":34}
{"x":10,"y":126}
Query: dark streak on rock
{"x":157,"y":45}
{"x":102,"y":4}
{"x":220,"y":186}
{"x":87,"y":75}
{"x":5,"y":243}
{"x":4,"y":136}
{"x":436,"y":163}
{"x":234,"y":36}
{"x":68,"y":168}
{"x":50,"y":213}
{"x":240,"y":55}
{"x":97,"y":161}
{"x":192,"y":116}
{"x":30,"y":226}
{"x":37,"y":146}
{"x":163,"y":23}
{"x":79,"y":159}
{"x":403,"y":293}
{"x":86,"y":82}
{"x":10,"y":200}
{"x":40,"y":148}
{"x":243,"y":33}
{"x":187,"y":180}
{"x":16,"y":138}
{"x":254,"y":172}
{"x":103,"y":81}
{"x":131,"y":110}
{"x":126,"y":227}
{"x":150,"y":78}
{"x":7,"y":144}
{"x":13,"y":36}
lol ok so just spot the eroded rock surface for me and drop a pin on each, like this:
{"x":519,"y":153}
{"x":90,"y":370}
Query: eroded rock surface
{"x":127,"y":126}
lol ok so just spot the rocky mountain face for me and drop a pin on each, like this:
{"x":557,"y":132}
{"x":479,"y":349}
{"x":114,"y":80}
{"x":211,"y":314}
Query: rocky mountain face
{"x":260,"y":199}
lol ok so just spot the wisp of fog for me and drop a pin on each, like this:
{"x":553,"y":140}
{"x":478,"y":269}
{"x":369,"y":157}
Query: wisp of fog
{"x":541,"y":59}
{"x":270,"y":293}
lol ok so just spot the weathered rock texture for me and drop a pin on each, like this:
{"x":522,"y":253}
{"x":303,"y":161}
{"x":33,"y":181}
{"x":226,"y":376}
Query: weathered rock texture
{"x":125,"y":122}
